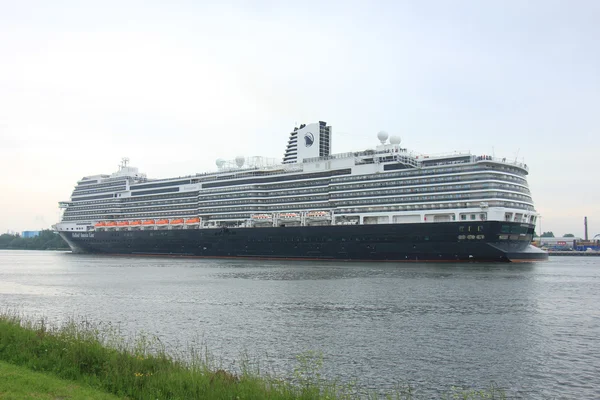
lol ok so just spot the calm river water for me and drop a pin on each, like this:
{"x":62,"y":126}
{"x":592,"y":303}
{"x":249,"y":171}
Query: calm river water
{"x":533,"y":329}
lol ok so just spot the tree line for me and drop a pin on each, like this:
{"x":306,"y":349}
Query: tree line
{"x":46,"y":240}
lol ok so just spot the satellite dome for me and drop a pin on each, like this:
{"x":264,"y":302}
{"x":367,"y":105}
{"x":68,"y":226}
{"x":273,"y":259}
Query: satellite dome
{"x":382,"y":136}
{"x":239,"y":161}
{"x":220,"y":162}
{"x":395,"y":140}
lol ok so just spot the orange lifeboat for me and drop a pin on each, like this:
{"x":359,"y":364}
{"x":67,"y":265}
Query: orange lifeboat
{"x":135,"y":223}
{"x":111,"y":223}
{"x":262,"y":216}
{"x":148,"y":222}
{"x":177,"y":221}
{"x":317,"y":214}
{"x":289,"y":215}
{"x":100,"y":224}
{"x":190,"y":221}
{"x":123,"y":223}
{"x":162,"y":222}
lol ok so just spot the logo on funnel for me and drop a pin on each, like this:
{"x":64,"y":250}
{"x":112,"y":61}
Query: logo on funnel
{"x":309,"y":139}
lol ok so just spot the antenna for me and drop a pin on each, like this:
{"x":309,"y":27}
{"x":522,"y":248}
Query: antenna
{"x":517,"y":156}
{"x":124,"y":162}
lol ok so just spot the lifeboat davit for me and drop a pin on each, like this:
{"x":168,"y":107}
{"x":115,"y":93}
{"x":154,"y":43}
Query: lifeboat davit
{"x":177,"y":221}
{"x":148,"y":222}
{"x":100,"y":224}
{"x":162,"y":222}
{"x":135,"y":223}
{"x":123,"y":223}
{"x":111,"y":223}
{"x":192,"y":221}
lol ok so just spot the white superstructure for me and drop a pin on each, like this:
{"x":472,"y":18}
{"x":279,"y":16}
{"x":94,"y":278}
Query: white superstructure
{"x":386,"y":185}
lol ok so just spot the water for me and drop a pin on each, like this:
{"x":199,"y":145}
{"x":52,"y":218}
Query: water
{"x":533,"y":329}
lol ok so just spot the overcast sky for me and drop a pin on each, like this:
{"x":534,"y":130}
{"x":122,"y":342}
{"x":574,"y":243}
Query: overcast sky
{"x":175,"y":85}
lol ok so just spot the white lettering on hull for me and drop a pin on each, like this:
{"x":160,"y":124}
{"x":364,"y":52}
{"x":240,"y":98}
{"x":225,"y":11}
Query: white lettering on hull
{"x":82,"y":235}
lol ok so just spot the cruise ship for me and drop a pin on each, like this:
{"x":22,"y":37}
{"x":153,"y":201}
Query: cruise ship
{"x":383,"y":204}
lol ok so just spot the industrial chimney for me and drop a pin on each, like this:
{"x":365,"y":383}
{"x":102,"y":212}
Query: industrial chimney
{"x":585,"y":227}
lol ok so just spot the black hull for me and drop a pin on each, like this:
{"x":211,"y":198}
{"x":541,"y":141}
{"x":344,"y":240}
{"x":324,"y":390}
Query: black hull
{"x":456,"y":241}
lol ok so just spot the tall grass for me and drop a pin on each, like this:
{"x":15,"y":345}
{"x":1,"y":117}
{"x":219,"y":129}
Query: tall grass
{"x":142,"y":369}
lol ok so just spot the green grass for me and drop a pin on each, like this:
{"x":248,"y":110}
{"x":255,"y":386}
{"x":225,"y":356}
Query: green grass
{"x":18,"y":383}
{"x":97,"y":357}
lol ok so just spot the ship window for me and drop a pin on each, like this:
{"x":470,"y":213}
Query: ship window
{"x":463,"y":217}
{"x":473,"y":217}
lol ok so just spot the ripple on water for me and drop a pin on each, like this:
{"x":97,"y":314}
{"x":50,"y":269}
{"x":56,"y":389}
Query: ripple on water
{"x":533,"y":329}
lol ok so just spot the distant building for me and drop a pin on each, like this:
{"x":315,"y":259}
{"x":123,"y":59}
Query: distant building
{"x":30,"y":234}
{"x":559,"y":243}
{"x":568,"y":243}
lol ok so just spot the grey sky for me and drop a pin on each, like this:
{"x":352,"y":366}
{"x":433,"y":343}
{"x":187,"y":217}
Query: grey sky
{"x":174,"y":86}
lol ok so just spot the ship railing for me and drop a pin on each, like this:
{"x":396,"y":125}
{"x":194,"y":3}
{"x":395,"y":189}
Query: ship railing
{"x":365,"y":153}
{"x":408,"y":160}
{"x":329,"y":157}
{"x":372,"y":157}
{"x":502,"y":160}
{"x":248,"y":172}
{"x":447,"y":154}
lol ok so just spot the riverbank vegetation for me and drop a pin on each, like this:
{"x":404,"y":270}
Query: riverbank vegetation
{"x":22,"y":383}
{"x":97,"y":358}
{"x":46,"y":240}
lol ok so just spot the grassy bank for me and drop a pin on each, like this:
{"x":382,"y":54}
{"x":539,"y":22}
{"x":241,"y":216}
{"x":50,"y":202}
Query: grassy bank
{"x":18,"y":383}
{"x":99,"y":359}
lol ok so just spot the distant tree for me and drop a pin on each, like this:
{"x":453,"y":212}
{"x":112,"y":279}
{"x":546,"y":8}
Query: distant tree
{"x":5,"y":239}
{"x":46,"y":240}
{"x":17,"y":243}
{"x":568,"y":235}
{"x":547,"y":234}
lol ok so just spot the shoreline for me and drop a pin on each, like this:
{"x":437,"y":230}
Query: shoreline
{"x":574,"y":253}
{"x":86,"y":354}
{"x":57,"y":249}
